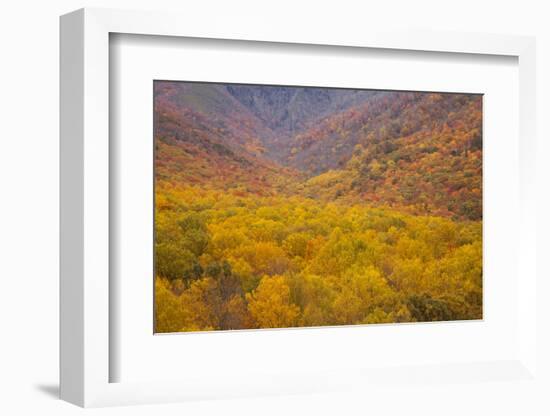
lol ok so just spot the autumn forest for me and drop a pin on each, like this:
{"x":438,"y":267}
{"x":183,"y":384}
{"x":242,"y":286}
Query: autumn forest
{"x":281,"y":207}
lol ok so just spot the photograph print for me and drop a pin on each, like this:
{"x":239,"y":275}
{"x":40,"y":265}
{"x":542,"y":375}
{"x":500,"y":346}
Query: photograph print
{"x":291,"y":206}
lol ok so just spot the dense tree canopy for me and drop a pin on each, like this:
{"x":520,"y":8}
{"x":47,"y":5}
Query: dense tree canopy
{"x":226,"y":262}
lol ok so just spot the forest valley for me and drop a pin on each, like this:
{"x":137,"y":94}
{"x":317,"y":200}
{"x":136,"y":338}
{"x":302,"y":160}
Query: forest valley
{"x":288,"y":206}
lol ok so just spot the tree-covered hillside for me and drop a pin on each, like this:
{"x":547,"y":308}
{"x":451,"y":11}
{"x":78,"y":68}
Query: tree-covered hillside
{"x":283,"y":206}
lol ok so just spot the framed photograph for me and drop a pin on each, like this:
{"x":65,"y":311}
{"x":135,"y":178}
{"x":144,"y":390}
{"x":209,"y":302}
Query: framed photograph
{"x":276,"y":211}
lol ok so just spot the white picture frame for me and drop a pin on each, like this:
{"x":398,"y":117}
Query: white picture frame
{"x":85,"y":355}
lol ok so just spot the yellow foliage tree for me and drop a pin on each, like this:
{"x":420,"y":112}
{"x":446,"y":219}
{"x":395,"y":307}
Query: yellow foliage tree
{"x":270,"y":306}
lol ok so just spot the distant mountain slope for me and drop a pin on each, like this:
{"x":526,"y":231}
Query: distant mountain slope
{"x":416,"y":151}
{"x":292,"y":109}
{"x":204,"y":136}
{"x":211,"y":108}
{"x":288,"y":111}
{"x":383,"y":118}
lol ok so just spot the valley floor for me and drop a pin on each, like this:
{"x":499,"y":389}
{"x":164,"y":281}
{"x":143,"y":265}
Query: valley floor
{"x":227,"y":260}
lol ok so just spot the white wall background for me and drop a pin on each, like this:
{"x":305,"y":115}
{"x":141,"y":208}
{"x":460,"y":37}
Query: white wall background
{"x":29,"y":180}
